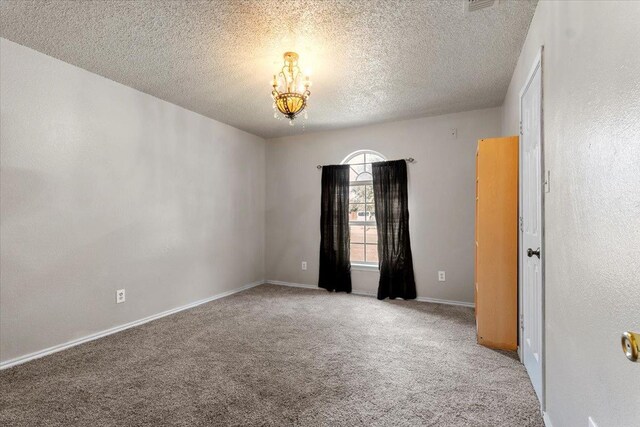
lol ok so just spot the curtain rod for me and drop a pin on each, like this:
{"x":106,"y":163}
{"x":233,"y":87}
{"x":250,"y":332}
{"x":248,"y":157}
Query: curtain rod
{"x":409,"y":160}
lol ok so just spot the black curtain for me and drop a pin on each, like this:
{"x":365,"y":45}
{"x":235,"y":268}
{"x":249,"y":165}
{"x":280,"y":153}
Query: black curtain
{"x":335,"y":266}
{"x":392,"y":219}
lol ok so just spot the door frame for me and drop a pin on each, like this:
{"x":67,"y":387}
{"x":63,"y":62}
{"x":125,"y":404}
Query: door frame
{"x":537,"y":63}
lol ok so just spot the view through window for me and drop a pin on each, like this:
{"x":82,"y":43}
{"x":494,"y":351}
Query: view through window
{"x":362,"y":215}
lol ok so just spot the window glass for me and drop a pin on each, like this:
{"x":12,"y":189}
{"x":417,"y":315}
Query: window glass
{"x":362,"y":216}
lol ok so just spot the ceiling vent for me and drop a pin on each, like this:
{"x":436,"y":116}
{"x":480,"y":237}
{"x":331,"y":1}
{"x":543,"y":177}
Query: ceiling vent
{"x":475,"y":5}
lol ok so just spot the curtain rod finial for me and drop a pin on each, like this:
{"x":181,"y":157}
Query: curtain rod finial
{"x":319,"y":167}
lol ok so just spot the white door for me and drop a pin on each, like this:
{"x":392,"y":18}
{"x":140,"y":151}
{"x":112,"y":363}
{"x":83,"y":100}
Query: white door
{"x":531,"y":251}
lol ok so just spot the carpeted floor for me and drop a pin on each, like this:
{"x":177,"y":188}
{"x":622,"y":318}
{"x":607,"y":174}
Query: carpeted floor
{"x":278,"y":356}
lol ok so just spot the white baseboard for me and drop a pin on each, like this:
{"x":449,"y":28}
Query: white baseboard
{"x":446,"y":302}
{"x":546,"y":419}
{"x":293,"y":285}
{"x":369,"y":294}
{"x":56,"y":348}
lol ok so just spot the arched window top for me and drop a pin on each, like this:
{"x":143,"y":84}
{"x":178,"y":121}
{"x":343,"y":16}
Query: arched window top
{"x":360,"y":162}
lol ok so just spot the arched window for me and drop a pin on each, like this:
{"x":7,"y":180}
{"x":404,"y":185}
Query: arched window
{"x":362,"y":216}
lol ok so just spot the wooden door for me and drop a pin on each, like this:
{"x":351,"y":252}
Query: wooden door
{"x":497,"y":242}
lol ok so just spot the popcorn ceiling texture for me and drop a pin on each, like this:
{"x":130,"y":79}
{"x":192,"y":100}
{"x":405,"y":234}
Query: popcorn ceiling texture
{"x":372,"y":61}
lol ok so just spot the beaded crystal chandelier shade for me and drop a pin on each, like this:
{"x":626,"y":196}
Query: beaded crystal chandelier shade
{"x":290,"y":89}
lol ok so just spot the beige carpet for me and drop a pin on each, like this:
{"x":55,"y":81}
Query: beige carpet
{"x":278,"y":356}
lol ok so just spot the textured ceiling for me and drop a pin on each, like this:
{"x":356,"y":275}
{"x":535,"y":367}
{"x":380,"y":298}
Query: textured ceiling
{"x":372,"y":61}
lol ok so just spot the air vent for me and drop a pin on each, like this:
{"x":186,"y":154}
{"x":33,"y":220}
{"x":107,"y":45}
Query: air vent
{"x":475,"y":5}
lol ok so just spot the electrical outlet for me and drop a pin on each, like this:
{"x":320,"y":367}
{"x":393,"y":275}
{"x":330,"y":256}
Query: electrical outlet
{"x":453,"y":133}
{"x":304,"y":265}
{"x":592,"y":423}
{"x":441,"y":276}
{"x":120,"y":296}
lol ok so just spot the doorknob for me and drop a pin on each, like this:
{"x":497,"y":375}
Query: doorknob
{"x":531,"y":252}
{"x":631,"y":345}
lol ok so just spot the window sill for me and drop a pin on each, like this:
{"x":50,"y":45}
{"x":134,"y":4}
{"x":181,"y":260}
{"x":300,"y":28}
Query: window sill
{"x":364,"y":267}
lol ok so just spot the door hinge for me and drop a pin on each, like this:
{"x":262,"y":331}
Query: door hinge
{"x":520,"y":127}
{"x":522,"y":322}
{"x":547,"y":182}
{"x":521,"y":224}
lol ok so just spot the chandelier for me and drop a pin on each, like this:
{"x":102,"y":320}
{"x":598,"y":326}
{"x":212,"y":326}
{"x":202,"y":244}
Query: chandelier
{"x":290,"y":89}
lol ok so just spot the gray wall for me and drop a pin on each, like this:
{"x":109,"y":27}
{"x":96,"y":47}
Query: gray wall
{"x":104,"y":187}
{"x":591,"y":71}
{"x":441,"y":197}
